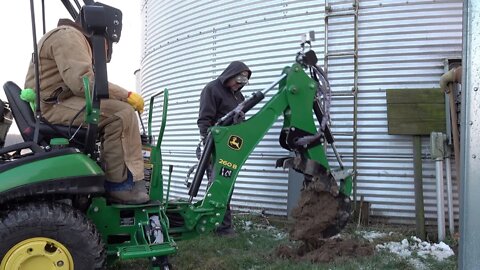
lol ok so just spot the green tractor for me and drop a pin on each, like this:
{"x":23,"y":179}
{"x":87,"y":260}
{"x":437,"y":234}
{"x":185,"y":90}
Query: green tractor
{"x":53,"y":212}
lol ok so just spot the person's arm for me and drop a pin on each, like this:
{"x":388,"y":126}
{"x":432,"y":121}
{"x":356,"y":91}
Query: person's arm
{"x":117,"y":92}
{"x":74,"y":60}
{"x":207,"y":111}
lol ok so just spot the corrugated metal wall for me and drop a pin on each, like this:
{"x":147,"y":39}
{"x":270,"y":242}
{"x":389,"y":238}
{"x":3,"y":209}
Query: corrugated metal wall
{"x":402,"y":44}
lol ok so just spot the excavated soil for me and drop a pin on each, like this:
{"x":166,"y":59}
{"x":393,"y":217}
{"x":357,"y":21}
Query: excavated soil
{"x":315,"y":213}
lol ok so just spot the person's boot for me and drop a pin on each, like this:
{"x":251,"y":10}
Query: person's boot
{"x":131,"y":196}
{"x":140,"y":186}
{"x":127,"y":192}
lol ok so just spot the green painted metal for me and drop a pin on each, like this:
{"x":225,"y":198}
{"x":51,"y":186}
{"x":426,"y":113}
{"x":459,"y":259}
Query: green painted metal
{"x":156,"y":184}
{"x":92,"y":115}
{"x":123,"y":228}
{"x":346,"y":186}
{"x":59,"y":167}
{"x":59,"y":141}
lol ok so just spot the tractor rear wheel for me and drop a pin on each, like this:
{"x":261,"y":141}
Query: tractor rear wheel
{"x":50,"y":236}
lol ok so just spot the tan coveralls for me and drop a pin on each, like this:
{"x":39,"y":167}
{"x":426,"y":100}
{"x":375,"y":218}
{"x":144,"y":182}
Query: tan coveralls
{"x":65,"y":57}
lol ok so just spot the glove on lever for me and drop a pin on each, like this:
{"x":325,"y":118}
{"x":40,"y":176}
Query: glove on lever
{"x":136,"y":101}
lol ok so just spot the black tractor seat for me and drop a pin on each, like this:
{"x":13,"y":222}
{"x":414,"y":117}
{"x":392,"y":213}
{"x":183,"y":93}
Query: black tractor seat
{"x":25,"y":120}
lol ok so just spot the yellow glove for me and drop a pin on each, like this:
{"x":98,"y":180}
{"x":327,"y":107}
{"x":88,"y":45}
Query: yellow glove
{"x":136,"y":101}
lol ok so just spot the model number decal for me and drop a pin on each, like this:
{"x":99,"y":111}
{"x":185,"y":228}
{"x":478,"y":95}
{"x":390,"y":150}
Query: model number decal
{"x":228,"y":164}
{"x":227,"y":173}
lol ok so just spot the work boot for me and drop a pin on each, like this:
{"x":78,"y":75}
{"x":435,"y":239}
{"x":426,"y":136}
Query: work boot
{"x":132,"y":196}
{"x":127,"y":192}
{"x":140,"y":186}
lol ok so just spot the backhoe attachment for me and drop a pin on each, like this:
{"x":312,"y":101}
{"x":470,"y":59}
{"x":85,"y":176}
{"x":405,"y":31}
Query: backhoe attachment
{"x":303,"y":100}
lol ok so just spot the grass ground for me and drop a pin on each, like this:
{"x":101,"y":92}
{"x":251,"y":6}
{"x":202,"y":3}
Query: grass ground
{"x":254,"y":248}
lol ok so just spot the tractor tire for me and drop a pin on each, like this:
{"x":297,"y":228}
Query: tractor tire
{"x":49,"y":236}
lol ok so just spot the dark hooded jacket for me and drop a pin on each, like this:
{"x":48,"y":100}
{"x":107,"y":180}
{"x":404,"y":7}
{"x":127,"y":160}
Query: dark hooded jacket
{"x":217,"y":99}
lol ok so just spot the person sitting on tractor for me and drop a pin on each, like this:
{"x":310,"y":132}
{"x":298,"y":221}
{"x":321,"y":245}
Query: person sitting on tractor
{"x":219,"y":97}
{"x":65,"y":57}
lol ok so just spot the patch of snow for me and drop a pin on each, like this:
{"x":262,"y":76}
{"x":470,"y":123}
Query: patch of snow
{"x":405,"y":248}
{"x":280,"y":235}
{"x":371,"y":235}
{"x":338,"y":235}
{"x":247,"y":225}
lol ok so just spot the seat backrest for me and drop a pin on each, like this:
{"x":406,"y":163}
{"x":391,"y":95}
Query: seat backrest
{"x":21,"y":110}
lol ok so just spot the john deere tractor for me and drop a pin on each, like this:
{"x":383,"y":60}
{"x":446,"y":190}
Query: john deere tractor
{"x":53,"y":212}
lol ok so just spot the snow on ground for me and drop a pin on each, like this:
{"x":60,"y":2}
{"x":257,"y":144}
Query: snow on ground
{"x":406,"y":248}
{"x":371,"y":235}
{"x":276,"y":233}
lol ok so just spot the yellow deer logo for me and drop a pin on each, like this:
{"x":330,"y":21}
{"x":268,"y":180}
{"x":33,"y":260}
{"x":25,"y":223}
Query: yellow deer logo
{"x":235,"y":142}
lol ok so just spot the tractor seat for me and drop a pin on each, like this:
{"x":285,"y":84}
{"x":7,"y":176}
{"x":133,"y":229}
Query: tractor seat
{"x":22,"y":112}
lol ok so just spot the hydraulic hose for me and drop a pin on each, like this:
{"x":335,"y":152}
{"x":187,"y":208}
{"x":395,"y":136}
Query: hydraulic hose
{"x":202,"y":167}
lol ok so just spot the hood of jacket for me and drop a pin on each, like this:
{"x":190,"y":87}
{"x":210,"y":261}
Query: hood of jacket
{"x":232,"y":70}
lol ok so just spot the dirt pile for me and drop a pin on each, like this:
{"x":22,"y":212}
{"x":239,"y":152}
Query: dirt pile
{"x":314,"y":215}
{"x":320,"y":215}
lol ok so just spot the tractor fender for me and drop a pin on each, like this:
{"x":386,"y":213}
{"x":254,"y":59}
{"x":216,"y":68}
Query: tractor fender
{"x":60,"y":171}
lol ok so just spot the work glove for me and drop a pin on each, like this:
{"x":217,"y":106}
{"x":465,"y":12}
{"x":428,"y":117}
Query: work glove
{"x":136,"y":101}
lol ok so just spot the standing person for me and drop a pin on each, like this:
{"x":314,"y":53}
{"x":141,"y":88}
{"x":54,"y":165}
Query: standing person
{"x":65,"y":57}
{"x":219,"y":97}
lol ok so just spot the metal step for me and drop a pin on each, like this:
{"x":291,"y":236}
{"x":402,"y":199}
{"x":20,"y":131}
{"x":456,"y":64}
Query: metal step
{"x":337,"y":12}
{"x":343,"y":134}
{"x":336,"y":55}
{"x":142,"y":251}
{"x":340,"y":14}
{"x":342,"y":93}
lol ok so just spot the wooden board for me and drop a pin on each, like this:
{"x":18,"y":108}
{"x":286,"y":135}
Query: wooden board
{"x":415,"y":111}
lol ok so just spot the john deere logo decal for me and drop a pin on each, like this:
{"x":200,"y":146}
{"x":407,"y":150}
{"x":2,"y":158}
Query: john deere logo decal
{"x":235,"y":142}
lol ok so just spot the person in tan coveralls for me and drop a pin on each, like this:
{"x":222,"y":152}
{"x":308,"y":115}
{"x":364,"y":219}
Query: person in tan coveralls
{"x":65,"y":55}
